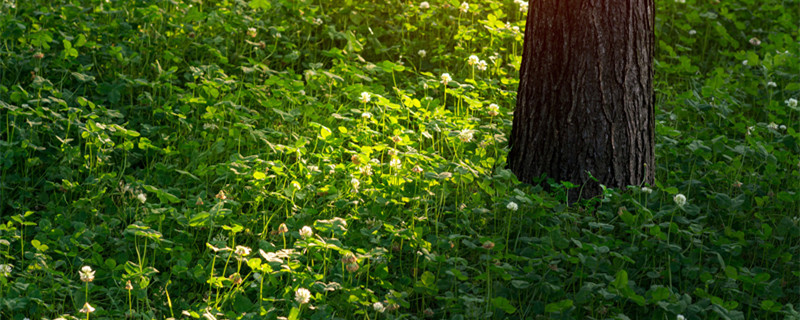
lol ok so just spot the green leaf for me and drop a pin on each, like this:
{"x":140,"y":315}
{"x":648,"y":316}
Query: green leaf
{"x":504,"y":304}
{"x":260,"y":4}
{"x":558,"y":306}
{"x":258,"y":175}
{"x":324,"y":132}
{"x":294,"y":314}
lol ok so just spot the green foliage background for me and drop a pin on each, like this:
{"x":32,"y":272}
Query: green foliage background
{"x":227,"y":132}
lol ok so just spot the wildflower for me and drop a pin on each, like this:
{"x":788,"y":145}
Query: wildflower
{"x":428,"y":312}
{"x":680,"y":1}
{"x":692,"y":32}
{"x":488,"y":245}
{"x":465,"y":135}
{"x":242,"y":251}
{"x":392,"y":152}
{"x":302,"y":295}
{"x":38,"y":55}
{"x":282,"y":228}
{"x":771,"y":84}
{"x":5,"y":269}
{"x":482,"y":65}
{"x":142,"y":197}
{"x":446,"y":78}
{"x":417,"y":169}
{"x":422,"y":53}
{"x":773,"y":126}
{"x":221,"y":195}
{"x":647,"y":190}
{"x":754,"y":41}
{"x":680,"y":200}
{"x":352,"y":267}
{"x":306,"y":232}
{"x":792,"y":102}
{"x":512,"y":206}
{"x":737,"y":184}
{"x":523,"y":6}
{"x":424,"y":5}
{"x":235,"y":278}
{"x":365,"y":170}
{"x":750,"y":129}
{"x":252,"y":32}
{"x":494,"y":110}
{"x":365,"y":97}
{"x":396,"y":139}
{"x":744,"y":63}
{"x":199,"y":201}
{"x":395,"y":163}
{"x":355,"y":183}
{"x":278,"y":35}
{"x":129,"y":285}
{"x":348,"y":258}
{"x":378,"y":307}
{"x":473,"y":60}
{"x":296,"y":185}
{"x":464,"y":7}
{"x":87,"y":308}
{"x":783,"y":128}
{"x":317,"y":21}
{"x":680,"y":317}
{"x":87,"y":275}
{"x":366,"y":115}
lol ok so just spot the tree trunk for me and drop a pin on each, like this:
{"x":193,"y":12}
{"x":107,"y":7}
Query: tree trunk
{"x":585,"y":101}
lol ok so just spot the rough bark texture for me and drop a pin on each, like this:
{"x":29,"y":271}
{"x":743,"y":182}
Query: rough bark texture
{"x":585,"y":99}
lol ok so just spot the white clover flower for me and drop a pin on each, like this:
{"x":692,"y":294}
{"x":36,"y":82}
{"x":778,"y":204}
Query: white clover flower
{"x":242,"y":251}
{"x":680,"y":317}
{"x":424,"y":5}
{"x":692,"y":32}
{"x":482,"y":65}
{"x":355,"y":183}
{"x":792,"y":102}
{"x":142,"y":197}
{"x":773,"y":126}
{"x":744,"y":62}
{"x":395,"y":163}
{"x":680,"y":200}
{"x":446,"y":78}
{"x":680,"y":1}
{"x":464,"y":7}
{"x":422,"y":53}
{"x":365,"y":170}
{"x":772,"y":84}
{"x":523,"y":6}
{"x":754,"y":41}
{"x":750,"y":129}
{"x":87,"y":308}
{"x":512,"y":206}
{"x":317,"y":21}
{"x":366,"y":115}
{"x":87,"y":275}
{"x":278,"y":35}
{"x":494,"y":110}
{"x":5,"y":269}
{"x":302,"y":296}
{"x":378,"y":307}
{"x":417,"y":169}
{"x":647,"y":190}
{"x":252,"y":32}
{"x":473,"y":60}
{"x":365,"y":97}
{"x":783,"y":128}
{"x":465,"y":135}
{"x":306,"y":232}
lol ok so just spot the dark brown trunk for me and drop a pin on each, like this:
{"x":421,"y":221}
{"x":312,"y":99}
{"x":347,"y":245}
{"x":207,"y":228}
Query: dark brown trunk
{"x":585,"y":99}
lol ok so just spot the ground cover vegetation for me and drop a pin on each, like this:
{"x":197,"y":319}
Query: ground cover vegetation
{"x":238,"y":159}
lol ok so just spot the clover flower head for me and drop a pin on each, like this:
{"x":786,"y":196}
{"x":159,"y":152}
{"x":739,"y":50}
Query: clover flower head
{"x":252,"y":32}
{"x":754,"y":41}
{"x":772,"y":84}
{"x":422,"y":53}
{"x":791,"y":102}
{"x":482,"y":65}
{"x":5,"y":269}
{"x":424,"y":5}
{"x":395,"y":163}
{"x":446,"y":78}
{"x":773,"y":126}
{"x":473,"y":60}
{"x":242,"y":251}
{"x":464,"y":7}
{"x":679,"y":199}
{"x":366,"y":115}
{"x":365,"y":97}
{"x":647,"y":190}
{"x":141,"y":197}
{"x":355,"y":183}
{"x":306,"y":232}
{"x":378,"y":307}
{"x":87,"y":308}
{"x":680,"y":317}
{"x":87,"y":275}
{"x":302,"y":296}
{"x":466,"y":135}
{"x":512,"y":206}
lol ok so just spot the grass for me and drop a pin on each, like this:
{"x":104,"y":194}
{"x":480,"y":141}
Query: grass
{"x":220,"y":160}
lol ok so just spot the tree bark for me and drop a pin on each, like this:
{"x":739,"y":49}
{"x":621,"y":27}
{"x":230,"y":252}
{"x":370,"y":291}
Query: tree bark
{"x":585,"y":101}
